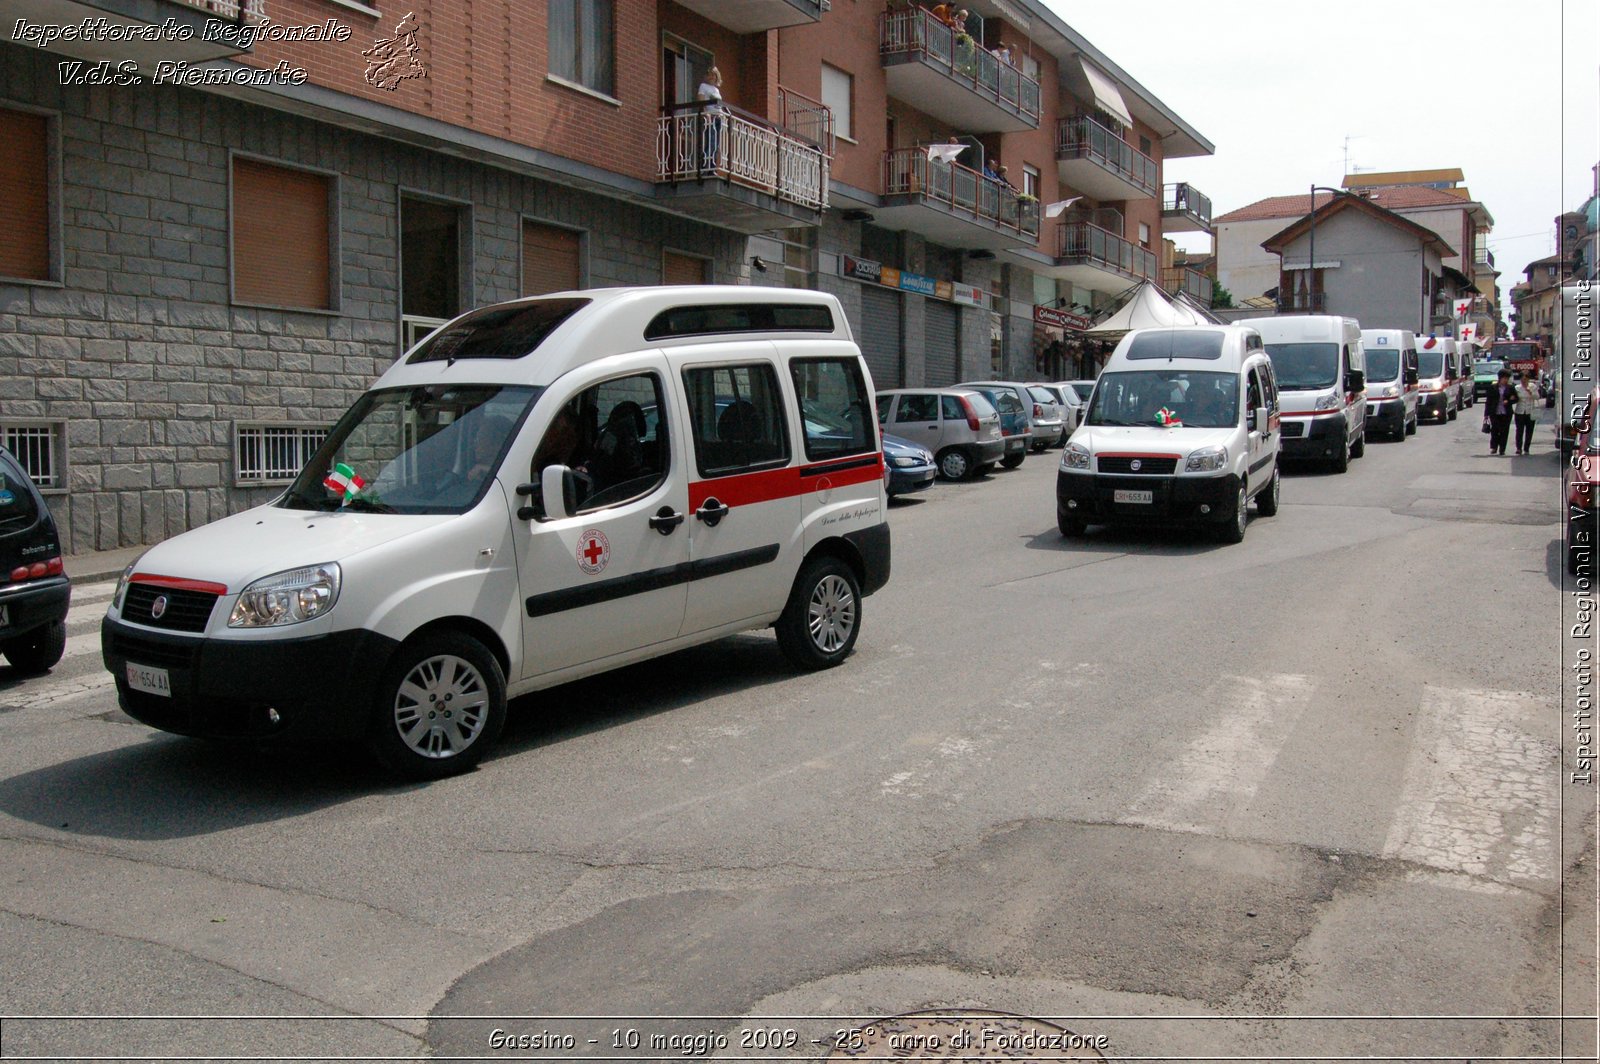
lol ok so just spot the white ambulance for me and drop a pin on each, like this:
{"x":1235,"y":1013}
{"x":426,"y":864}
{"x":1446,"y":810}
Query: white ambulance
{"x":1438,"y":378}
{"x":538,"y":491}
{"x":1182,"y":428}
{"x":1391,"y":381}
{"x":1321,"y":371}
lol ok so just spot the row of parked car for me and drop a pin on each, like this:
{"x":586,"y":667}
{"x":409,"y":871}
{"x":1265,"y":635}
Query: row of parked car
{"x":965,"y":430}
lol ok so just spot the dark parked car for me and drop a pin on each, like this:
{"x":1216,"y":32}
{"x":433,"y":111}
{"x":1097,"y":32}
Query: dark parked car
{"x":910,"y":466}
{"x":34,"y":590}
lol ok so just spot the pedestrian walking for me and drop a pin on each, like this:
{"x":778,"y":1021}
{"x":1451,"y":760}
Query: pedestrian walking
{"x":1498,"y":407}
{"x":1529,"y":403}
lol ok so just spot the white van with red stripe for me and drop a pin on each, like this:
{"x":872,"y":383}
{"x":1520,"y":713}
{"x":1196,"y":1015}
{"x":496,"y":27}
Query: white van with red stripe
{"x":1321,"y":370}
{"x":539,"y":491}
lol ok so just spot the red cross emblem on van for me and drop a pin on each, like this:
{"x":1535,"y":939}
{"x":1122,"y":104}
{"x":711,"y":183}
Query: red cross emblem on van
{"x":594,"y":551}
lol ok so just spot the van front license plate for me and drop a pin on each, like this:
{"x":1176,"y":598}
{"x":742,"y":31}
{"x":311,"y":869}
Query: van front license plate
{"x":1145,"y":497}
{"x":150,"y":681}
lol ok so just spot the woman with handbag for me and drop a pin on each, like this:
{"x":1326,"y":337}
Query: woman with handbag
{"x":1529,"y":403}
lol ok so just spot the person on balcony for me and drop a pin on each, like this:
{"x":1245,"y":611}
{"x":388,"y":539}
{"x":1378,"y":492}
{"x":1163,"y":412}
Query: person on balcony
{"x":709,"y":94}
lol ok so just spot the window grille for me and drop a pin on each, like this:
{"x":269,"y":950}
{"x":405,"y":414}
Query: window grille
{"x":40,"y":448}
{"x":267,"y":454}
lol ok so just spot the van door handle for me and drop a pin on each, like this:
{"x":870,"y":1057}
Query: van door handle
{"x":712,"y":512}
{"x":665,"y":520}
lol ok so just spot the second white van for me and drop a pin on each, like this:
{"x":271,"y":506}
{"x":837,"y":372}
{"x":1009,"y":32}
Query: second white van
{"x":1391,"y":381}
{"x":1321,"y":370}
{"x":1438,"y":380}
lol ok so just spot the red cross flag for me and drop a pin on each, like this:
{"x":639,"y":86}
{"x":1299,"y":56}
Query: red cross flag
{"x":1463,"y":307}
{"x":1469,"y":331}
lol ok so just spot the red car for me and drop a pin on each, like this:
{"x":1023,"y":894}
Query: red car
{"x":1581,"y":482}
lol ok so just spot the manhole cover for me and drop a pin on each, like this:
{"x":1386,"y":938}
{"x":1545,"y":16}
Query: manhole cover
{"x":967,"y":1034}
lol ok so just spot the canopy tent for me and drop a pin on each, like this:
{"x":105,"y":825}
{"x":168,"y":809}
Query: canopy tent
{"x":1197,"y":308}
{"x":1146,"y":308}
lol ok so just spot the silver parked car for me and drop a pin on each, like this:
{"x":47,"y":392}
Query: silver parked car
{"x":1044,"y":417}
{"x":960,"y":426}
{"x":1069,"y":404}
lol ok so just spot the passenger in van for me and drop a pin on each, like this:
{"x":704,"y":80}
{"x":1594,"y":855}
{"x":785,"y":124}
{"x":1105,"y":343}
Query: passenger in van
{"x":560,"y":443}
{"x":619,"y":448}
{"x":1211,"y":409}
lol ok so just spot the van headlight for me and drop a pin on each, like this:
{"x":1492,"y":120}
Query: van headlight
{"x":1389,"y":391}
{"x":287,"y":598}
{"x":122,"y":585}
{"x":1206,"y":460}
{"x":1076,"y":456}
{"x":1327,"y":402}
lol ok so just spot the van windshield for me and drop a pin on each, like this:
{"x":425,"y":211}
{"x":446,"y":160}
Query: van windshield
{"x":1487,"y":369}
{"x":1430,"y":364}
{"x":1203,"y":400}
{"x":1383,"y":363}
{"x":420,"y":450}
{"x":1304,"y":367}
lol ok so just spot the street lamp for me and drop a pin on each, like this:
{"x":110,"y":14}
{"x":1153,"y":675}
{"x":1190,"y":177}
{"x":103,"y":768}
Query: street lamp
{"x":1311,"y":260}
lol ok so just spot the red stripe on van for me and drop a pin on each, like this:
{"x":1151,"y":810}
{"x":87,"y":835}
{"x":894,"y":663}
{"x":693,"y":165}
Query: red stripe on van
{"x":744,"y":489}
{"x":179,"y":583}
{"x":1313,"y":413}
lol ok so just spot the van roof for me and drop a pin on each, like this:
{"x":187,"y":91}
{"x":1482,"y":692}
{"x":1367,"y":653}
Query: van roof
{"x":1303,"y":327}
{"x":595,"y":323}
{"x":1232,"y":356}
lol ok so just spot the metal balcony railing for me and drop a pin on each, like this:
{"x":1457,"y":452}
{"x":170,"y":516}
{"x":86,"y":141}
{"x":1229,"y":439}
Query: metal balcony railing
{"x":917,"y":32}
{"x":1182,"y":279}
{"x":247,"y":11}
{"x":909,"y":172}
{"x":1483,"y":257}
{"x":695,"y":141}
{"x":1183,"y":196}
{"x":1081,"y":137}
{"x":1081,"y":240}
{"x":808,"y":119}
{"x":1303,"y":303}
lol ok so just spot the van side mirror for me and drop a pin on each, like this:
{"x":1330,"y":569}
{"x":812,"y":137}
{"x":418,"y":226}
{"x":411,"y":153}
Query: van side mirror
{"x":1355,"y":381}
{"x":558,"y":488}
{"x":1411,"y":375}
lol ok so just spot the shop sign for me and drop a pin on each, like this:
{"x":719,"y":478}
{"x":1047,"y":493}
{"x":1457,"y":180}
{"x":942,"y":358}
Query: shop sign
{"x":1060,"y":319}
{"x":861,"y":269}
{"x":890,"y":277}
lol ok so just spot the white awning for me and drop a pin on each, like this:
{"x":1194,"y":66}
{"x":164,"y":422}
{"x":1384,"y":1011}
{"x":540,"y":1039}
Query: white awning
{"x":1106,"y":93}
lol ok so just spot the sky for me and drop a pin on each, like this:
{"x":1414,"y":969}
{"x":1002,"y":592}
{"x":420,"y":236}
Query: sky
{"x":1509,"y":93}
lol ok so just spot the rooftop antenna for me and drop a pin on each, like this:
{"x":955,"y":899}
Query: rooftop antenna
{"x":1348,"y":169}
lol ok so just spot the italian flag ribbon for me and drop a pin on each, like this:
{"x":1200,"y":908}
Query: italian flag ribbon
{"x":1169,"y":418}
{"x":343,"y":480}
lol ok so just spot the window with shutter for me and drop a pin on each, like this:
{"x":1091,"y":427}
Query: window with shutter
{"x":550,"y":259}
{"x":678,"y":268}
{"x":282,"y":254}
{"x":25,"y":196}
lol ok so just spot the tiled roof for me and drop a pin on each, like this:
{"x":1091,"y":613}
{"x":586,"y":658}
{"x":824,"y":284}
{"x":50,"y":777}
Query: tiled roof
{"x":1394,"y":198}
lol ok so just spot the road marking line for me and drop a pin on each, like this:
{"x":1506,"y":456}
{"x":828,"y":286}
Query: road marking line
{"x":1480,"y":794}
{"x":97,"y":592}
{"x":1213,"y":782}
{"x":79,"y":645}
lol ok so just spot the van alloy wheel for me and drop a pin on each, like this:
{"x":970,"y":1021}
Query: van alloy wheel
{"x":1267,"y":501}
{"x":1232,"y":530}
{"x":820,"y":623}
{"x":440,"y":706}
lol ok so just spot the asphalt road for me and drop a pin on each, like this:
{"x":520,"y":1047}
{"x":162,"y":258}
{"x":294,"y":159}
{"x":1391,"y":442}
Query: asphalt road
{"x":1298,"y":797}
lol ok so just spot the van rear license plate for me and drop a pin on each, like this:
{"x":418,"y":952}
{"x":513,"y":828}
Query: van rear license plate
{"x":150,"y":681}
{"x":1133,"y":496}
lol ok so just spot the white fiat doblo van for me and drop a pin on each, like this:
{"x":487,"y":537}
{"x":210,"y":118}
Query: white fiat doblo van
{"x":1182,"y":428}
{"x":1321,"y":373}
{"x":538,"y":491}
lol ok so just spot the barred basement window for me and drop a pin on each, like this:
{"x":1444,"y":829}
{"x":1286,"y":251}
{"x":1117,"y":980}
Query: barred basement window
{"x":40,"y":447}
{"x":273,"y":453}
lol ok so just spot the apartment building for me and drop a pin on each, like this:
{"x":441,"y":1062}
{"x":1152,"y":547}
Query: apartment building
{"x":221,"y":219}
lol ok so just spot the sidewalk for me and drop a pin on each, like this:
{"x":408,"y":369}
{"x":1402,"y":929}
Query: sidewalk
{"x":101,"y":564}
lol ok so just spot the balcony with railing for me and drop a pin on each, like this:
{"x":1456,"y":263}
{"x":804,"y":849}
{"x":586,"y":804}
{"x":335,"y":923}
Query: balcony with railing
{"x":1182,"y":279}
{"x":1483,"y":257}
{"x":1303,"y":303}
{"x":737,"y":170}
{"x":757,"y":16}
{"x":953,"y":78}
{"x":954,"y":205}
{"x":1096,"y":161}
{"x":154,"y":31}
{"x":1096,"y":258}
{"x":1185,"y":209}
